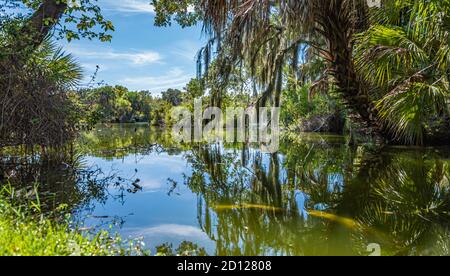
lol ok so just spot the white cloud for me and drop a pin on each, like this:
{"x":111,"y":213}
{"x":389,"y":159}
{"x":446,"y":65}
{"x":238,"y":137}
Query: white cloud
{"x":134,"y":57}
{"x":141,"y":58}
{"x":129,"y":6}
{"x":132,"y":6}
{"x":175,"y":78}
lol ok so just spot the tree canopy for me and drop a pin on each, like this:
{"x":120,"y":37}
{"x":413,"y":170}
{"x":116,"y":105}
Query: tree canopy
{"x":29,"y":22}
{"x":361,"y":48}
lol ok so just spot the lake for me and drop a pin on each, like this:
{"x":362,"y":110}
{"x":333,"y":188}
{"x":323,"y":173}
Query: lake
{"x":316,"y":196}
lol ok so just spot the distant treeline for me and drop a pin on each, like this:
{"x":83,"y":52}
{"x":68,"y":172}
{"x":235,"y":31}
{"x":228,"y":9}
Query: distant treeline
{"x":117,"y":104}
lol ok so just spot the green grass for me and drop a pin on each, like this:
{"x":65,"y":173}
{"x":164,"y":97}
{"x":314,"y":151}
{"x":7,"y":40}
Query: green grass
{"x":26,"y":235}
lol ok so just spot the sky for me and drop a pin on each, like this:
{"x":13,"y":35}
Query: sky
{"x":140,"y":55}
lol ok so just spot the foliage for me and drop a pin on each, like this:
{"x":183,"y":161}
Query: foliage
{"x":36,"y":108}
{"x":299,"y":107}
{"x":194,"y":90}
{"x":78,"y":20}
{"x":185,"y":249}
{"x":108,"y":104}
{"x":184,"y":12}
{"x":393,"y":83}
{"x":113,"y":104}
{"x":35,"y":75}
{"x":172,"y":96}
{"x":408,"y":60}
{"x":25,"y":234}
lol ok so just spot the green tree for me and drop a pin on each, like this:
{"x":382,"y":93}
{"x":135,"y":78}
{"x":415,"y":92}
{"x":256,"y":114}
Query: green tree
{"x":36,"y":107}
{"x":181,"y":11}
{"x":173,"y":96}
{"x":35,"y":77}
{"x":69,"y":20}
{"x":140,"y":105}
{"x":194,"y":90}
{"x":266,"y":36}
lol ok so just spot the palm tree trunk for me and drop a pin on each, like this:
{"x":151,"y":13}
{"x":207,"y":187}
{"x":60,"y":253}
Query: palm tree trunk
{"x":337,"y":24}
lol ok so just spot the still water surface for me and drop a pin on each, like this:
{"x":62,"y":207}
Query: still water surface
{"x":316,"y":196}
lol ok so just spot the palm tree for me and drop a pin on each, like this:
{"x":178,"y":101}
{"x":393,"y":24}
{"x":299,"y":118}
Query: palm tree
{"x":266,"y":34}
{"x":407,"y":59}
{"x":60,"y":67}
{"x":36,"y":107}
{"x":263,"y":37}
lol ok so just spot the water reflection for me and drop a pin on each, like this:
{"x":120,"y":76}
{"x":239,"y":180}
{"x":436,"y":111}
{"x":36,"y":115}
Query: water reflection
{"x":324,"y":200}
{"x":316,"y":196}
{"x":57,"y":178}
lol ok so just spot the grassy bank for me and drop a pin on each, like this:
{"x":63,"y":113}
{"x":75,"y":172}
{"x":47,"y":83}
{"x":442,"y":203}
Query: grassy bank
{"x":30,"y":235}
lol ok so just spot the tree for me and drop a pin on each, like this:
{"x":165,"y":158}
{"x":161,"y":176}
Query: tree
{"x":140,"y":105}
{"x":36,"y":109}
{"x":79,"y":21}
{"x":407,"y":59}
{"x":35,"y":77}
{"x":181,"y":11}
{"x":194,"y":90}
{"x":111,"y":104}
{"x":173,"y":96}
{"x":263,"y":36}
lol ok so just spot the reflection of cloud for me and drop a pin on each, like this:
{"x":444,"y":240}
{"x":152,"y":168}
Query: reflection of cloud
{"x":164,"y":163}
{"x":152,"y":185}
{"x":170,"y":230}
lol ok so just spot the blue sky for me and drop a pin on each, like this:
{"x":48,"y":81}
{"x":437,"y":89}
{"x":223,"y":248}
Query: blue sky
{"x":140,"y":56}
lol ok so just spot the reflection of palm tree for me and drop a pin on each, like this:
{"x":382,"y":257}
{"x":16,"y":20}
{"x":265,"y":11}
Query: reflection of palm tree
{"x":411,"y":203}
{"x":397,"y":200}
{"x":267,"y":184}
{"x":383,"y":197}
{"x":222,"y":180}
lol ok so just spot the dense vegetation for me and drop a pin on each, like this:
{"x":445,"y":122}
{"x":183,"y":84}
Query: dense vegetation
{"x":35,"y":75}
{"x":379,"y":73}
{"x":387,"y":66}
{"x":117,"y":104}
{"x":384,"y":69}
